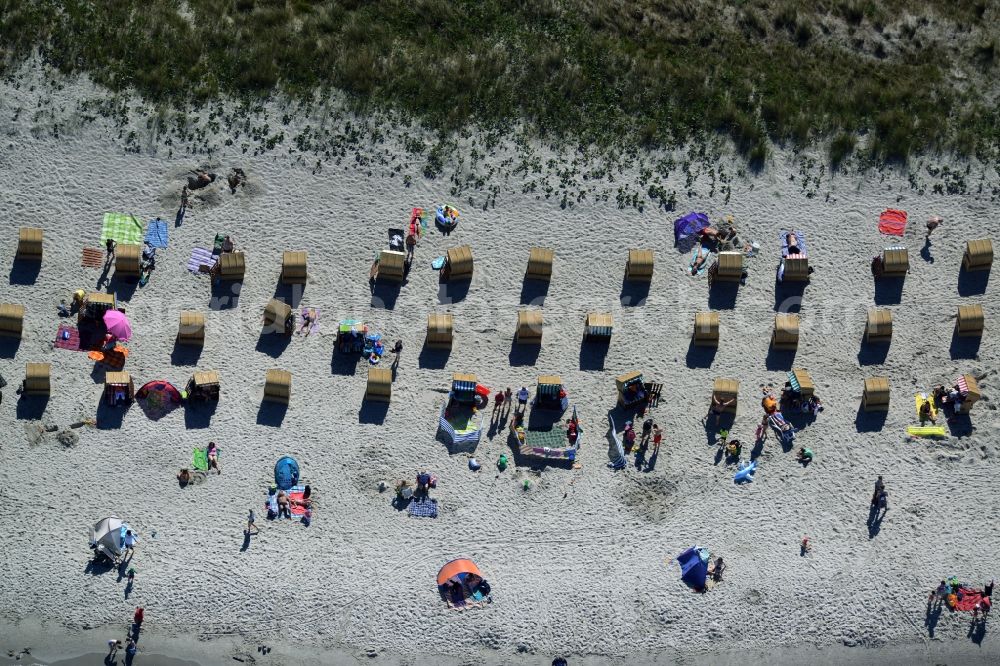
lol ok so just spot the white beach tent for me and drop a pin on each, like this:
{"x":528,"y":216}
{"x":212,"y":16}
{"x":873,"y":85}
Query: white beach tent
{"x":107,"y":537}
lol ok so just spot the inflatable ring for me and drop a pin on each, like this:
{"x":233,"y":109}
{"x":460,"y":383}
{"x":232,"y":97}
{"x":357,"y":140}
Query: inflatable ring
{"x":446,"y":222}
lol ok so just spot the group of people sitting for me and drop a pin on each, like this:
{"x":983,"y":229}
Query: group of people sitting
{"x":723,"y":238}
{"x":279,"y":504}
{"x":949,"y":398}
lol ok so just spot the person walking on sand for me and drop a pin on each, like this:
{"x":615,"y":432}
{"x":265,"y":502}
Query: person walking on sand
{"x":522,"y":399}
{"x":131,"y":649}
{"x":933,"y":224}
{"x":657,"y":438}
{"x":879,"y":487}
{"x":113,"y":646}
{"x":647,"y":429}
{"x":130,"y":542}
{"x":508,"y":398}
{"x":110,"y":246}
{"x":139,"y":616}
{"x":252,"y":524}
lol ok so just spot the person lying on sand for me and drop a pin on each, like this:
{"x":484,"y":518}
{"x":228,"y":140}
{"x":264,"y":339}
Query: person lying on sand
{"x":236,"y":178}
{"x":212,"y":453}
{"x":308,"y":317}
{"x":200,"y":179}
{"x":284,"y":505}
{"x":793,"y":244}
{"x":699,"y":260}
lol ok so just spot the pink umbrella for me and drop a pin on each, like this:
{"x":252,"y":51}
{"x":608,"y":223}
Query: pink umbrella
{"x":118,"y":324}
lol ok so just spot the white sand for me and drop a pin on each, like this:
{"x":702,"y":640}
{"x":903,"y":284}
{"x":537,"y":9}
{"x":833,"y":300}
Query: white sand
{"x":582,"y":562}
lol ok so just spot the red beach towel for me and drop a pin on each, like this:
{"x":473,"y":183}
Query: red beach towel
{"x":892,"y":222}
{"x":68,"y":337}
{"x":969,"y":599}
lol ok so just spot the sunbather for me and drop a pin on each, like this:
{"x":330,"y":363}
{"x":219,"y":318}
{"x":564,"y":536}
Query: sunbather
{"x":717,"y":570}
{"x":200,"y":179}
{"x":184,"y":477}
{"x":308,"y":319}
{"x":699,"y":259}
{"x":212,"y":453}
{"x":925,"y":412}
{"x":284,"y":505}
{"x":792,"y":242}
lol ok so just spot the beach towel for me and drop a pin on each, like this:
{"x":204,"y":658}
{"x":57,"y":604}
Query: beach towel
{"x":68,"y":337}
{"x":418,"y":215}
{"x":920,"y":399}
{"x":200,"y":257}
{"x":113,"y":359}
{"x":970,"y":598}
{"x":800,"y":241}
{"x":892,"y":222}
{"x":92,"y":258}
{"x":199,"y":459}
{"x":296,"y":495}
{"x":156,"y":233}
{"x":315,"y":325}
{"x":121,"y":228}
{"x":425,"y":508}
{"x":925,"y":431}
{"x":703,"y":251}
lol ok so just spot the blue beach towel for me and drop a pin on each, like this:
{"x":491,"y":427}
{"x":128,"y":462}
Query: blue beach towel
{"x":800,"y":240}
{"x":694,"y":256}
{"x":156,"y":233}
{"x":426,"y":508}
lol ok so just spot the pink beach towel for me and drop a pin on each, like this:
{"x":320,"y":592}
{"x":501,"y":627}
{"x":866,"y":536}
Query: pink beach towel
{"x":68,"y":337}
{"x":892,"y":222}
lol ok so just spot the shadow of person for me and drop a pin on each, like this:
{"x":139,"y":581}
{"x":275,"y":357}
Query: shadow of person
{"x":932,"y":616}
{"x":977,"y":630}
{"x":875,"y":517}
{"x":246,"y":541}
{"x":925,"y":251}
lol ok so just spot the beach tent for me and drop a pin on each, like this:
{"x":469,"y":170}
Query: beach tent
{"x":286,"y":473}
{"x":694,"y":567}
{"x":461,"y":579}
{"x":157,"y":398}
{"x":107,"y":537}
{"x":686,"y":230}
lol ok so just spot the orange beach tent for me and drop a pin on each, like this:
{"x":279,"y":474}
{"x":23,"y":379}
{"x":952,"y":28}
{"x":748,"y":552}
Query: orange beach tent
{"x":456,"y":569}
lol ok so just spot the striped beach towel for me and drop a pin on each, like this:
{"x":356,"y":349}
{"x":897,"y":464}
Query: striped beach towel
{"x":200,"y":257}
{"x":112,"y":360}
{"x":68,"y":337}
{"x":156,"y":233}
{"x":92,"y":258}
{"x":121,"y":228}
{"x":892,"y":222}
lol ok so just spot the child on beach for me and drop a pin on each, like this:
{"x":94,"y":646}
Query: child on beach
{"x":212,"y":453}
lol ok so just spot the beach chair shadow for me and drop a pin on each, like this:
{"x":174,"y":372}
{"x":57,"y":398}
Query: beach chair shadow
{"x":869,"y":421}
{"x":964,"y":347}
{"x":199,"y":414}
{"x":385,"y":294}
{"x":273,"y":343}
{"x":788,"y":296}
{"x":633,"y":293}
{"x":960,"y":425}
{"x":888,"y":290}
{"x":271,"y":414}
{"x":225,"y":294}
{"x":123,"y":287}
{"x":108,"y":417}
{"x":779,"y":359}
{"x":533,"y":292}
{"x":433,"y":359}
{"x":592,"y":355}
{"x":9,"y":347}
{"x":24,"y":272}
{"x":873,"y":354}
{"x":699,"y":357}
{"x":373,"y":412}
{"x":722,"y":295}
{"x":31,"y":407}
{"x":290,"y":293}
{"x":344,"y":364}
{"x":453,"y":292}
{"x":972,"y":283}
{"x":185,"y":354}
{"x":523,"y":354}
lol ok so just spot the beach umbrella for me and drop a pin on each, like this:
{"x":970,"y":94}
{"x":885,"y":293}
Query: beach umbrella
{"x":107,"y":536}
{"x":118,"y":324}
{"x":286,"y":473}
{"x":158,"y":397}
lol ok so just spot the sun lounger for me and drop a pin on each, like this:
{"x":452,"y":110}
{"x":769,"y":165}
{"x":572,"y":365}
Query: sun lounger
{"x":91,"y":257}
{"x":925,"y":431}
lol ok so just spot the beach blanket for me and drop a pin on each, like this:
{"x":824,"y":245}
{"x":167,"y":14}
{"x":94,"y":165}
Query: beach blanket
{"x":920,"y":399}
{"x":121,"y":228}
{"x":970,"y":598}
{"x":892,"y":222}
{"x":315,"y":325}
{"x":800,"y":241}
{"x":113,"y":359}
{"x":703,"y":251}
{"x":68,"y":337}
{"x":156,"y":233}
{"x":925,"y":431}
{"x":425,"y":508}
{"x":296,"y":495}
{"x":199,"y":459}
{"x":417,"y":214}
{"x":92,"y":258}
{"x":200,"y":257}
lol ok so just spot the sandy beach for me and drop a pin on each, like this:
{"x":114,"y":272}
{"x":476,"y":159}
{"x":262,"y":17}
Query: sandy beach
{"x":582,"y":562}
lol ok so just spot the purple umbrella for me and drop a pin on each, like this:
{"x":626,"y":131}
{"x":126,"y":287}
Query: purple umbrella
{"x":686,"y":229}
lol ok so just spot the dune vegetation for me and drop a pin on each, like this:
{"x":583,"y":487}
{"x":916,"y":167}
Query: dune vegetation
{"x":891,"y":78}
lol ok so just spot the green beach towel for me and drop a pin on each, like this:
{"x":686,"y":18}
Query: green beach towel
{"x":199,"y":459}
{"x":121,"y":228}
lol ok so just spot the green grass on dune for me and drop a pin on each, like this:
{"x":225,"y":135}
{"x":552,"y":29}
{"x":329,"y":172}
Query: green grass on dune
{"x":650,"y":72}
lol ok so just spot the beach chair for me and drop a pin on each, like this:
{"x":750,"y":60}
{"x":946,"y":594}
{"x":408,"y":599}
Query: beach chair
{"x":440,"y":331}
{"x":391,"y":266}
{"x":794,"y":267}
{"x":968,"y":387}
{"x":725,"y":389}
{"x":598,"y":327}
{"x":278,"y":386}
{"x":204,"y":385}
{"x":191,"y":330}
{"x":529,"y":327}
{"x":706,"y":329}
{"x":729,"y":267}
{"x":801,"y":383}
{"x":786,"y":332}
{"x":631,"y":390}
{"x":978,"y":255}
{"x":293,"y":267}
{"x":539,"y":264}
{"x":95,"y":304}
{"x":276,"y":313}
{"x":969,"y":322}
{"x":11,"y":320}
{"x":230,"y":267}
{"x":29,"y":244}
{"x":875,"y":397}
{"x":458,"y":264}
{"x":895,"y":261}
{"x":127,"y":260}
{"x":549,"y":393}
{"x":878,"y":328}
{"x":37,"y":379}
{"x":379,"y":386}
{"x":639,"y":267}
{"x":118,"y":388}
